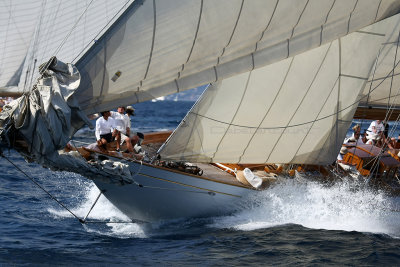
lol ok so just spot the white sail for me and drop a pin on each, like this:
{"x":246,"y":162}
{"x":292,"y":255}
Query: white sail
{"x":294,"y":111}
{"x":15,"y":36}
{"x":383,"y":88}
{"x":31,"y":31}
{"x":162,"y":47}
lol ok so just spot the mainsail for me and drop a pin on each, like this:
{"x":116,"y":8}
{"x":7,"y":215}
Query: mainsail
{"x":162,"y":47}
{"x":294,"y":111}
{"x":157,"y":47}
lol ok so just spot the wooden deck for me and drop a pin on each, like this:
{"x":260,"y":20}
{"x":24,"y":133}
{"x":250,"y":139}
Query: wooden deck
{"x":214,"y":173}
{"x":152,"y":142}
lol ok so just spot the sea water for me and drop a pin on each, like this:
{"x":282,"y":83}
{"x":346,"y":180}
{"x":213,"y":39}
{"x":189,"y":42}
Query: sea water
{"x":297,"y":222}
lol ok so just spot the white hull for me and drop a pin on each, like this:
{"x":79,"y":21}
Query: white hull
{"x":168,"y":194}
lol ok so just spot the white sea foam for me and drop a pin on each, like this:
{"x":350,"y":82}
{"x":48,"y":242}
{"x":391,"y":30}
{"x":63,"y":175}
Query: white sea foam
{"x":345,"y":206}
{"x":102,"y":211}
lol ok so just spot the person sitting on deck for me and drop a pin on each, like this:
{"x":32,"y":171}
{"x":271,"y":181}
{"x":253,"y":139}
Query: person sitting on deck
{"x":123,"y":123}
{"x":396,"y":142}
{"x":364,"y":137}
{"x":343,"y":151}
{"x":136,"y":138}
{"x":375,"y":133}
{"x":340,"y":158}
{"x":356,"y":136}
{"x":106,"y":131}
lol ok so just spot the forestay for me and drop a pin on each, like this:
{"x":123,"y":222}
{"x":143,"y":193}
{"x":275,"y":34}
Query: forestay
{"x":294,"y":111}
{"x":162,"y":47}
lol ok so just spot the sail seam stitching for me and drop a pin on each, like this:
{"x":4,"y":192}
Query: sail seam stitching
{"x":394,"y":66}
{"x":98,"y":99}
{"x":389,"y":43}
{"x":329,"y":12}
{"x":73,"y":27}
{"x":194,"y":40}
{"x":302,"y":100}
{"x":266,"y":114}
{"x":339,"y":87}
{"x":385,"y":77}
{"x":233,"y":32}
{"x":377,"y":10}
{"x":371,"y":33}
{"x":354,"y":77}
{"x":177,"y":85}
{"x":316,"y":119}
{"x":194,"y":123}
{"x":234,"y":116}
{"x":282,"y":127}
{"x":351,"y":13}
{"x":326,"y":20}
{"x":152,"y":42}
{"x":380,"y":99}
{"x":6,"y":37}
{"x":216,"y":73}
{"x":298,"y":20}
{"x":50,"y":28}
{"x":299,"y":124}
{"x":94,"y":39}
{"x":266,"y":28}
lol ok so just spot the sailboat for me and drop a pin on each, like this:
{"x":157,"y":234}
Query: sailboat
{"x":285,"y":81}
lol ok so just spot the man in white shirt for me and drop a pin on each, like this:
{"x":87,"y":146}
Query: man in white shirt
{"x":355,"y":139}
{"x":376,"y":127}
{"x":123,"y":125}
{"x":375,"y":132}
{"x":106,"y":131}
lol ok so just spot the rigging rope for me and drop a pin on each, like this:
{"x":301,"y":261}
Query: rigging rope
{"x":389,"y":112}
{"x":85,"y":48}
{"x":73,"y":27}
{"x":82,"y":221}
{"x":38,"y":185}
{"x":308,"y":122}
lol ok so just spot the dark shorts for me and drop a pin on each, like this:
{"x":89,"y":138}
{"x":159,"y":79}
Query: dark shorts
{"x":109,"y":138}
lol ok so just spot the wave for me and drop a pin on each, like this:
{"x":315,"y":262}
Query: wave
{"x":348,"y":206}
{"x":105,"y":217}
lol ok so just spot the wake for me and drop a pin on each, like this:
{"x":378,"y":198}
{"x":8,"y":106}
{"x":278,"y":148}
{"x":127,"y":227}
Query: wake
{"x":86,"y":193}
{"x":347,"y":206}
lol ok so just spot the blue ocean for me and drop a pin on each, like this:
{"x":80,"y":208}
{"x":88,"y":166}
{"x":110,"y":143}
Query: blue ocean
{"x":301,"y":223}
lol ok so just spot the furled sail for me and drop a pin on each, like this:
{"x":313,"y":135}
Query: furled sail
{"x":31,"y":31}
{"x":47,"y":117}
{"x":39,"y":124}
{"x":162,"y":47}
{"x":294,"y":111}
